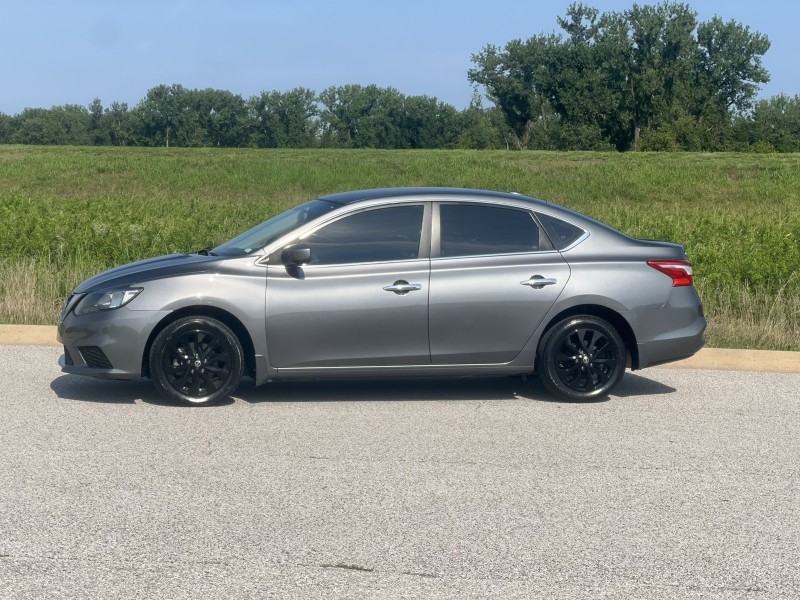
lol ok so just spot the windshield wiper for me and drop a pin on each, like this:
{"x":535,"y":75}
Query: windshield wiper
{"x":206,"y":251}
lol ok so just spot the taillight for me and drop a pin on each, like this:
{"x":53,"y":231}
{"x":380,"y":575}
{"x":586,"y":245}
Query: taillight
{"x":679,"y":270}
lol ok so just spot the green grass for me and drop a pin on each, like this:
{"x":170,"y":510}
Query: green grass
{"x":66,"y":213}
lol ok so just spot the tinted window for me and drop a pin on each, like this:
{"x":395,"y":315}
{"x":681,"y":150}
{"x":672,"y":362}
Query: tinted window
{"x":384,"y":234}
{"x":560,"y":232}
{"x":269,"y":231}
{"x":474,"y":229}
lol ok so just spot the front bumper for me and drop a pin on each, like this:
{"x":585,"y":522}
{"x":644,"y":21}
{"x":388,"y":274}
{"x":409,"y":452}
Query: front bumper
{"x":108,"y":345}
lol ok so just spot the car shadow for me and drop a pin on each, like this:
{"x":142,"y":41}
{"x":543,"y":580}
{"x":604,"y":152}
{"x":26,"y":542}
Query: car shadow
{"x":638,"y":385}
{"x":69,"y":387}
{"x":86,"y":389}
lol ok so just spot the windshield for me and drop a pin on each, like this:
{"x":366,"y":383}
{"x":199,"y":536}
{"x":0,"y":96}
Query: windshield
{"x":270,"y":230}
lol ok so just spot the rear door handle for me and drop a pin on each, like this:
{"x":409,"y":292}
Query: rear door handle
{"x":537,"y":282}
{"x":401,"y":286}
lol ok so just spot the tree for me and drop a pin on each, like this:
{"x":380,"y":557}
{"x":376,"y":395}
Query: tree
{"x":177,"y":116}
{"x":653,"y":62}
{"x":59,"y":125}
{"x":355,"y":116}
{"x":285,"y":119}
{"x":215,"y":118}
{"x":7,"y":127}
{"x":479,"y":127}
{"x":119,"y":124}
{"x":776,"y":121}
{"x":425,"y":122}
{"x":161,"y":114}
{"x":730,"y":68}
{"x":97,"y":124}
{"x":513,"y":79}
{"x":620,"y":73}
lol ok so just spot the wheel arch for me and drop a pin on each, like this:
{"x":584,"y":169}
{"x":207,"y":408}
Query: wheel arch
{"x":613,"y":317}
{"x":205,"y":311}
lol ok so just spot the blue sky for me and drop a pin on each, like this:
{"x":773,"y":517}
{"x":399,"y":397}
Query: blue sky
{"x":58,"y":52}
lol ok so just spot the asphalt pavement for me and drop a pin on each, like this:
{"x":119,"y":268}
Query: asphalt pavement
{"x":684,"y":484}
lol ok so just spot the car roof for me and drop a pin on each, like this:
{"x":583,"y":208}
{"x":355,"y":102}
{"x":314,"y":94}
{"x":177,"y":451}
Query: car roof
{"x":344,"y":198}
{"x":467,"y":194}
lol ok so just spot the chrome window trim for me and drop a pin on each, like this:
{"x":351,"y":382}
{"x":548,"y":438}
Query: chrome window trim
{"x":470,"y":256}
{"x":585,"y":235}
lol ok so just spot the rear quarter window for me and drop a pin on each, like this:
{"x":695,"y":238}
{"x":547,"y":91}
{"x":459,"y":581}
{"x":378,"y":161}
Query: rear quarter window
{"x":561,"y":233}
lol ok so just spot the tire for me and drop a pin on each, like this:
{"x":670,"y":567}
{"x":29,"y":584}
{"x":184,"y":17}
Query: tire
{"x":196,"y":360}
{"x":582,"y":358}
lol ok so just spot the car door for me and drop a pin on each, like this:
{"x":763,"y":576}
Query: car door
{"x":494,"y":276}
{"x":361,"y":299}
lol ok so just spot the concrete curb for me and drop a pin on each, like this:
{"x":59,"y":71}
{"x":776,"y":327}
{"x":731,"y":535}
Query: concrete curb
{"x":718,"y":359}
{"x":28,"y":335}
{"x":728,"y":359}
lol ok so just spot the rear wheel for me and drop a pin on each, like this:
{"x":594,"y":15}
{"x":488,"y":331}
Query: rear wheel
{"x":196,"y":360}
{"x":582,"y":358}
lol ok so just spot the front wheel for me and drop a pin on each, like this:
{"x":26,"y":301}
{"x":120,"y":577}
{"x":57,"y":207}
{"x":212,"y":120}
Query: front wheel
{"x":196,"y":360}
{"x":582,"y":358}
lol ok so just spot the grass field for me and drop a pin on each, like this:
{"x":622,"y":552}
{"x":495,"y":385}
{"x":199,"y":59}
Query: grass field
{"x":66,"y":213}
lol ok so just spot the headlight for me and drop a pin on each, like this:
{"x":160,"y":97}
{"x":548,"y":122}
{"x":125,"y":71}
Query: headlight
{"x":100,"y":301}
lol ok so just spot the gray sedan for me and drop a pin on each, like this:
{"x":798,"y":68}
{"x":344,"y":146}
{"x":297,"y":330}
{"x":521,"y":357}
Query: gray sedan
{"x":392,"y":282}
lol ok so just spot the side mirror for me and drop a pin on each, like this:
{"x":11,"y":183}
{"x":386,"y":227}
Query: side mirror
{"x":295,"y":256}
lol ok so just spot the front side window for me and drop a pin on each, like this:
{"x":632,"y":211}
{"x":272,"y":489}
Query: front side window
{"x":385,"y":234}
{"x":269,"y":231}
{"x":477,"y":229}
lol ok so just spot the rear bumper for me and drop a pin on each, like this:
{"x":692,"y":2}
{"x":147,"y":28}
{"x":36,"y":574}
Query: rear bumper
{"x":673,"y":332}
{"x":664,"y":351}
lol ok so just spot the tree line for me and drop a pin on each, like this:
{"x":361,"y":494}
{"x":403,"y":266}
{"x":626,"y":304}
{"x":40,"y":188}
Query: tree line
{"x":350,"y":116}
{"x":648,"y":78}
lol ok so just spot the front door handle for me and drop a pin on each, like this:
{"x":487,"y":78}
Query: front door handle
{"x":401,"y":286}
{"x":537,"y":282}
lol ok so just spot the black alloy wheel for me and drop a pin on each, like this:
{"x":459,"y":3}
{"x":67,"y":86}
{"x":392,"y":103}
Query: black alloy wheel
{"x":196,"y":360}
{"x":582,"y":358}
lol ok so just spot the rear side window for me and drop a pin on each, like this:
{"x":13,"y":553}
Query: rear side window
{"x":475,"y":229}
{"x":560,"y":232}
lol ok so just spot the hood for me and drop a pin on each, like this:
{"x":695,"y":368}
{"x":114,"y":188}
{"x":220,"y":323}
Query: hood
{"x":149,"y":269}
